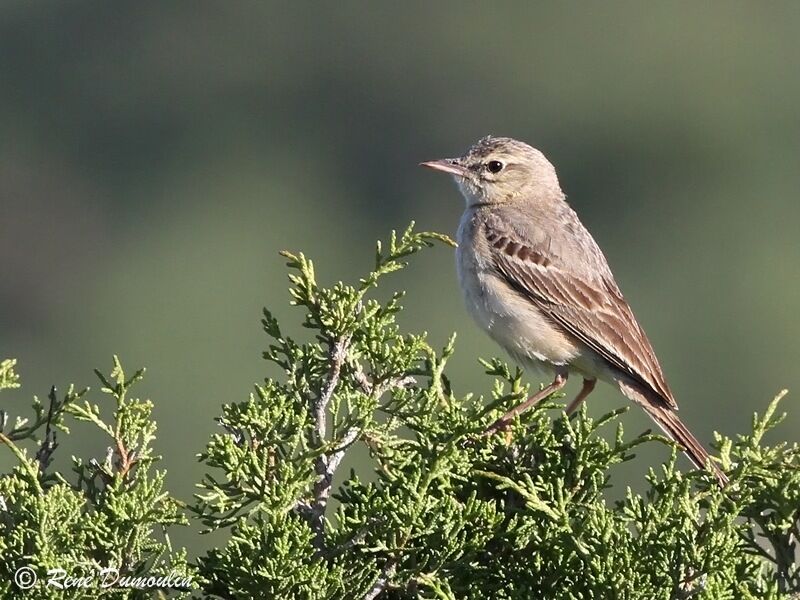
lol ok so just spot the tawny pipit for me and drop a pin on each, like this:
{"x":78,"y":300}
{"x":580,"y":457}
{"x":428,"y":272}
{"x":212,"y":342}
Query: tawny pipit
{"x":534,"y":278}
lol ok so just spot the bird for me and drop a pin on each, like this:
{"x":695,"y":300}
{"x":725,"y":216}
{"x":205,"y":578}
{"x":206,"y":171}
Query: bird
{"x":536,"y":281}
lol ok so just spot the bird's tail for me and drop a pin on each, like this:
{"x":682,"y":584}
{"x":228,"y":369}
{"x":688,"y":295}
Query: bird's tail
{"x":670,"y":423}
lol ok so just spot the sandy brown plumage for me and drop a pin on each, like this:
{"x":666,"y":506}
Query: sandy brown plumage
{"x":537,"y":282}
{"x":592,"y":310}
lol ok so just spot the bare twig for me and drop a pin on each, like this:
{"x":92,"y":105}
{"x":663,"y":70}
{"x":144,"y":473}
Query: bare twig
{"x":784,"y":550}
{"x":393,"y":383}
{"x":44,"y":455}
{"x":336,"y":457}
{"x":354,"y":541}
{"x":692,"y":584}
{"x":100,"y":470}
{"x":127,"y":458}
{"x":383,"y":580}
{"x":337,"y":355}
{"x":380,"y":388}
{"x":362,"y":380}
{"x":325,"y":465}
{"x":236,"y":434}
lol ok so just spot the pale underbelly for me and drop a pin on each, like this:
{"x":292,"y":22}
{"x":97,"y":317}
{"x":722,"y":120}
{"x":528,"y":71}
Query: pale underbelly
{"x":528,"y":335}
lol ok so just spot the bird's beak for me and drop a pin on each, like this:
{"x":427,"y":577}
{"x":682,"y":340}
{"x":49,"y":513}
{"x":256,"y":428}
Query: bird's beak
{"x":447,"y":165}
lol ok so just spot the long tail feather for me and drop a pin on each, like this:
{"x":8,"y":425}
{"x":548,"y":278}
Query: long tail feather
{"x":670,"y":423}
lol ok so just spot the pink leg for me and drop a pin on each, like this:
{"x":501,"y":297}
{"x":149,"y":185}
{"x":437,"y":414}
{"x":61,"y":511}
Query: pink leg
{"x":588,"y":386}
{"x":501,"y":423}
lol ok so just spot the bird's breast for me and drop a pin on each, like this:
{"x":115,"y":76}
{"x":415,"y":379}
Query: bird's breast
{"x":509,"y":318}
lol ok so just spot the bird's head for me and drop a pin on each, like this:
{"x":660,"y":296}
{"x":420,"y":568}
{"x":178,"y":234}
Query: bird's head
{"x":498,"y":170}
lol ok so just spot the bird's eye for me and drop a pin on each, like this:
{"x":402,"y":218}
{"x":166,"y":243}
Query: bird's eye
{"x":494,"y":166}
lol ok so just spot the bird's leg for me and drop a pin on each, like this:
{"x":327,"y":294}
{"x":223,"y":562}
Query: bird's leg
{"x":588,"y":386}
{"x":501,"y":423}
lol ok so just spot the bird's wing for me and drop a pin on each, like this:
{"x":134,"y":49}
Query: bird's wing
{"x":592,"y":309}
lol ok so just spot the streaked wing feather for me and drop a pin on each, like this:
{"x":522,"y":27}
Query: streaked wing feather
{"x":595,"y":312}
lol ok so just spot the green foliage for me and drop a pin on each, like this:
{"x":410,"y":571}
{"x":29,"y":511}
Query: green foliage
{"x":442,"y":511}
{"x":8,"y":377}
{"x":109,"y":514}
{"x":446,"y":512}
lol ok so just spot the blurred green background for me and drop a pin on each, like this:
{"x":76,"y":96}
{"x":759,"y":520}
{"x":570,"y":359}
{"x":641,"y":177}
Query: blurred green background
{"x":155,"y":156}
